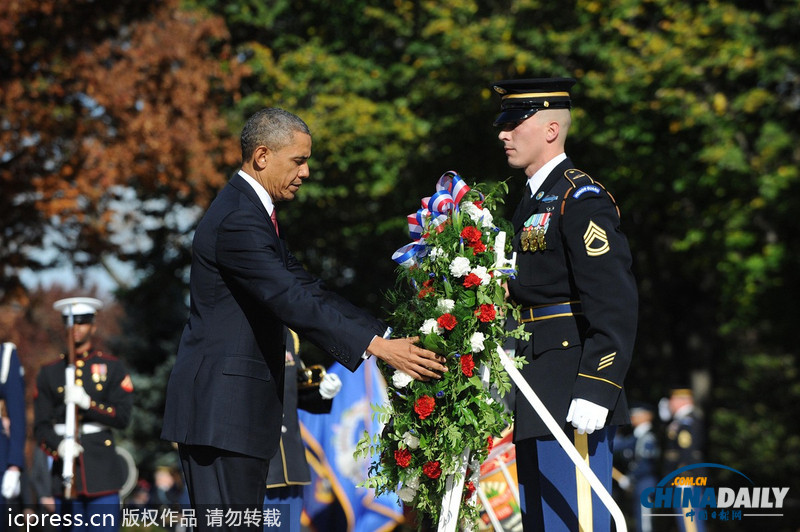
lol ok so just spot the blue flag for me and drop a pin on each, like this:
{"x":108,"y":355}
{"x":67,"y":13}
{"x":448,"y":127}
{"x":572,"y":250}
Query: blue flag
{"x":332,"y":501}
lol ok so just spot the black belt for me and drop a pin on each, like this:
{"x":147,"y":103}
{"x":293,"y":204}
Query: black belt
{"x":545,"y":312}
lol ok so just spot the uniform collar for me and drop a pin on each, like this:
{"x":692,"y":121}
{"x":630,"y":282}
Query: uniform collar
{"x":536,"y":180}
{"x":263,"y":195}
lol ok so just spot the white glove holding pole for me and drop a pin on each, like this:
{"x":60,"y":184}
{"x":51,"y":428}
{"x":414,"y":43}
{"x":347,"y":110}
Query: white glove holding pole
{"x":586,"y":416}
{"x":330,"y":386}
{"x":69,"y":449}
{"x":77,"y":395}
{"x":11,"y":484}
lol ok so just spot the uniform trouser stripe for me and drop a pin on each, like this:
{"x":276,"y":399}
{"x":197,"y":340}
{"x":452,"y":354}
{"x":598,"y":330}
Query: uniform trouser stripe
{"x":584,"y":489}
{"x":551,"y":498}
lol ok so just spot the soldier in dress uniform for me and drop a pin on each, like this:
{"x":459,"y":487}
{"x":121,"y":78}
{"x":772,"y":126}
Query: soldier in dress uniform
{"x":640,"y":451}
{"x":12,"y":437}
{"x":313,"y":391}
{"x":103,"y":393}
{"x":579,"y":301}
{"x":684,"y":446}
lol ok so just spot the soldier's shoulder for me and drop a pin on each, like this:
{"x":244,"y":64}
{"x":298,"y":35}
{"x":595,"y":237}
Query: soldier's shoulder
{"x":54,"y":362}
{"x":581,"y":185}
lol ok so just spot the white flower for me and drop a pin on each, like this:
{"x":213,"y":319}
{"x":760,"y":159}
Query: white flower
{"x":410,"y":440}
{"x":488,"y":219}
{"x":401,"y":379}
{"x":445,"y":305}
{"x":413,"y":482}
{"x":476,"y":342}
{"x":406,"y":494}
{"x":436,"y":252}
{"x":430,"y":326}
{"x":483,"y":273}
{"x":477,"y":214}
{"x":471,"y":210}
{"x":459,"y":267}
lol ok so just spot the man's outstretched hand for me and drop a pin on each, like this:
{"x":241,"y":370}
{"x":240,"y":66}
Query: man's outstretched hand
{"x":402,"y":354}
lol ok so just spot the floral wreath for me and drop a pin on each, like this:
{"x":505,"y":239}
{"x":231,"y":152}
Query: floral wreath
{"x":451,"y":292}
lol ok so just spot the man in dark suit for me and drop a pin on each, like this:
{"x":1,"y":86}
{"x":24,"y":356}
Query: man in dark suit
{"x":579,"y":301}
{"x":225,"y":393}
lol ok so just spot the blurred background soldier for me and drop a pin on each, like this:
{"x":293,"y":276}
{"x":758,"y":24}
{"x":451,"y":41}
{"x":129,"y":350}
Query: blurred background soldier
{"x":12,"y":438}
{"x":640,"y":453}
{"x":102,"y":391}
{"x":683,"y":446}
{"x":311,"y":389}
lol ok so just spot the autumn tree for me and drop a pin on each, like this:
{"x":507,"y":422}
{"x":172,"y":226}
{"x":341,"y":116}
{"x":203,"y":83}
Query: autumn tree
{"x":113,"y":129}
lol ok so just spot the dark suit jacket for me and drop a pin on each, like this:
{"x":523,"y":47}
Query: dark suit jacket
{"x":587,"y":355}
{"x":226,"y":388}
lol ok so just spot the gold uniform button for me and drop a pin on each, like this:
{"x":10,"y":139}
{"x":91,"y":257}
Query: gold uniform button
{"x":79,"y":372}
{"x":80,"y":363}
{"x":108,"y":443}
{"x":78,"y":382}
{"x":109,"y":409}
{"x":60,"y":389}
{"x":565,"y":343}
{"x":99,"y":387}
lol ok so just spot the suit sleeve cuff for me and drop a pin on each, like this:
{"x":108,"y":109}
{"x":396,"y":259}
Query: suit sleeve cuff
{"x":386,"y":334}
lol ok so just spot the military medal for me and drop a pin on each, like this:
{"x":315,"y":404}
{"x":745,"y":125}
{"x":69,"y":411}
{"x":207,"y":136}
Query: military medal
{"x":533,"y":232}
{"x":99,"y":372}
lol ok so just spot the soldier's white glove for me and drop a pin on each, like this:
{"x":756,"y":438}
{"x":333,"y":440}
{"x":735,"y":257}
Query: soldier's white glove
{"x":330,"y":386}
{"x":664,"y":413}
{"x":69,"y":449}
{"x":77,"y":395}
{"x":586,"y":416}
{"x":10,"y":487}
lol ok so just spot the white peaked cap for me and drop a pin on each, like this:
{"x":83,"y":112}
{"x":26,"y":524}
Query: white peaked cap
{"x":77,"y":306}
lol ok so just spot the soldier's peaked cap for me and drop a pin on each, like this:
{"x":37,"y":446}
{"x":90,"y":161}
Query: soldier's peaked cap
{"x":522,"y":98}
{"x":78,"y":306}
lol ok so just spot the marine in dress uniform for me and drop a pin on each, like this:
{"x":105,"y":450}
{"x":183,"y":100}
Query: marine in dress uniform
{"x":579,"y":301}
{"x":683,"y":446}
{"x":12,"y":436}
{"x":307,"y":389}
{"x":103,"y":391}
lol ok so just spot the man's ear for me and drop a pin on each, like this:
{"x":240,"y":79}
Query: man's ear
{"x":261,"y":157}
{"x":553,"y":128}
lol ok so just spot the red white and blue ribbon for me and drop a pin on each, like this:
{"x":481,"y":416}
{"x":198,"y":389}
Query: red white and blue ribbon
{"x":450,"y":189}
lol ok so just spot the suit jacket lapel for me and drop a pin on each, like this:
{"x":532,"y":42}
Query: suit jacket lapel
{"x":244,"y":187}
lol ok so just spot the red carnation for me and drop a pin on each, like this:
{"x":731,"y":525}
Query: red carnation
{"x":478,"y":247}
{"x":486,"y":313}
{"x":469,"y":489}
{"x":427,"y":288}
{"x":447,"y":321}
{"x":467,"y":365}
{"x":472,"y":280}
{"x":432,"y":469}
{"x":402,"y":457}
{"x":490,"y":443}
{"x":424,"y":406}
{"x":471,"y":234}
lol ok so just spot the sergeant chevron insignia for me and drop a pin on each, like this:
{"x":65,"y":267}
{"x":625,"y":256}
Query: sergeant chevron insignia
{"x":596,"y":240}
{"x":606,"y":361}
